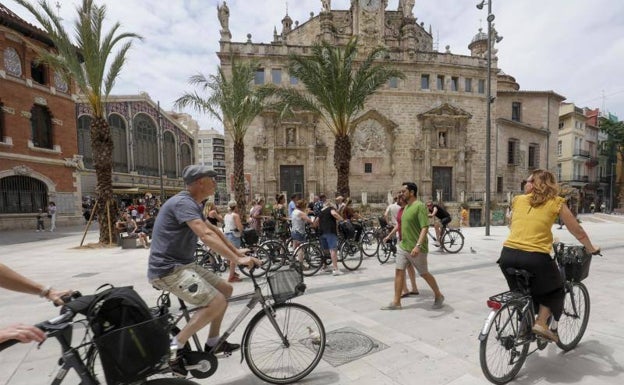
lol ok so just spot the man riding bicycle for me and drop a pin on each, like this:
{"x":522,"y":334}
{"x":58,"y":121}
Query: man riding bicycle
{"x":172,"y":264}
{"x":441,"y":217}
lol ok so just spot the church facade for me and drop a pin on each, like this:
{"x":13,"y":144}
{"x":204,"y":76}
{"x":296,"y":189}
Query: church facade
{"x":428,"y":128}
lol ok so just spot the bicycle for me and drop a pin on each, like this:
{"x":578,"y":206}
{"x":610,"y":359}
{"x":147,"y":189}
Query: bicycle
{"x":452,"y":239}
{"x":384,"y":249}
{"x":506,"y":335}
{"x":80,"y":358}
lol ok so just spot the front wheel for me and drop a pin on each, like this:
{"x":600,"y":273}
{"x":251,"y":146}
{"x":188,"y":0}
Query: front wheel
{"x":283,"y":344}
{"x":502,"y":351}
{"x":370,"y":244}
{"x":383,"y":254}
{"x":350,"y":254}
{"x":575,"y":316}
{"x":452,"y":241}
{"x":312,"y":258}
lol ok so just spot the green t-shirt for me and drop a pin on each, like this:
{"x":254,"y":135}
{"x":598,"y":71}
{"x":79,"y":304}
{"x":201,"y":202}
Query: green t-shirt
{"x":413,"y":220}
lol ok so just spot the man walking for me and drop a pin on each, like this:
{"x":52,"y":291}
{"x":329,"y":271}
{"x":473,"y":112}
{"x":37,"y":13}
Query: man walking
{"x":413,"y":247}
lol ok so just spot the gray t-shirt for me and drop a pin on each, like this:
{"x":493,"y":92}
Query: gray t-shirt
{"x":173,"y":241}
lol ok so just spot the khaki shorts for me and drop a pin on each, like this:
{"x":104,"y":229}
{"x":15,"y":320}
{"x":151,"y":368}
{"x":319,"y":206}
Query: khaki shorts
{"x":191,"y":283}
{"x":419,"y":262}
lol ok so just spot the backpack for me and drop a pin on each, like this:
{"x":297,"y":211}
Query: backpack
{"x":131,"y":342}
{"x":346,"y":229}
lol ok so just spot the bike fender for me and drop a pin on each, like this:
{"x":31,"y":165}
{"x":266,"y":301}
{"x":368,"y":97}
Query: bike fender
{"x":487,"y":325}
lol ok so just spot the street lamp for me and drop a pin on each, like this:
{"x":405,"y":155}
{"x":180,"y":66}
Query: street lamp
{"x":612,"y":187}
{"x":488,"y":123}
{"x":161,"y":166}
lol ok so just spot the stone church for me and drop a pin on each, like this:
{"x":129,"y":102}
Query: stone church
{"x":428,"y":128}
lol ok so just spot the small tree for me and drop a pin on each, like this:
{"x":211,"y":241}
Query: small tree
{"x":235,"y":102}
{"x":86,"y":61}
{"x":337,"y":87}
{"x":615,"y":145}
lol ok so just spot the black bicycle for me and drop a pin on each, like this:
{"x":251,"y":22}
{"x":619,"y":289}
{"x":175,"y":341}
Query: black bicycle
{"x":507,"y":333}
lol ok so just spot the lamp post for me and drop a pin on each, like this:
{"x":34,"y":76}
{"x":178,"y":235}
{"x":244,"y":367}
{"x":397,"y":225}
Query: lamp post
{"x":160,"y":155}
{"x":488,"y":121}
{"x":612,"y":187}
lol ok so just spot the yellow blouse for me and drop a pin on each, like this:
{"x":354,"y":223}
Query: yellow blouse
{"x":531,"y":227}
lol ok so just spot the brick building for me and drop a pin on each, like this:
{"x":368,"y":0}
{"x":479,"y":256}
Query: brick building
{"x":39,"y":159}
{"x":429,"y":127}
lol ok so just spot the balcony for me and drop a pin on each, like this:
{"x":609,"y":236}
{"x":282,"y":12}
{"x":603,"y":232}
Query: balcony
{"x":582,"y":154}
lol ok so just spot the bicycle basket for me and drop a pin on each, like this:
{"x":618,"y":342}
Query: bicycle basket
{"x":574,"y":260}
{"x":286,"y":284}
{"x":132,"y":353}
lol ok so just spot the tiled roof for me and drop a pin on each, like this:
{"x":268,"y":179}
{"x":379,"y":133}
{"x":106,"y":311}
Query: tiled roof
{"x":11,"y":20}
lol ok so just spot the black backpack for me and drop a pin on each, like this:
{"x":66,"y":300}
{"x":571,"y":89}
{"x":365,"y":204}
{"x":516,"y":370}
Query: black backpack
{"x":346,"y":229}
{"x":131,"y":342}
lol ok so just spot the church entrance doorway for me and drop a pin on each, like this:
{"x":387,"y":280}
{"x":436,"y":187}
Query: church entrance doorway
{"x":442,"y":182}
{"x":291,"y":180}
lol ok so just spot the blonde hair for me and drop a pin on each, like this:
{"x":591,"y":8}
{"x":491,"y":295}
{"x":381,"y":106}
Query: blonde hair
{"x":545,"y":187}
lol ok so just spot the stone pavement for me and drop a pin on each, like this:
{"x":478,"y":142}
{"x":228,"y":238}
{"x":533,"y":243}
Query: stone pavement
{"x":421,"y":345}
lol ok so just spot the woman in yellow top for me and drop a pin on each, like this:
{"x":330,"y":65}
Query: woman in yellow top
{"x":530,"y":242}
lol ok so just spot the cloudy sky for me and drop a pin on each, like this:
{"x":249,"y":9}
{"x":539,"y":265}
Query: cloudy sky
{"x":573,"y":47}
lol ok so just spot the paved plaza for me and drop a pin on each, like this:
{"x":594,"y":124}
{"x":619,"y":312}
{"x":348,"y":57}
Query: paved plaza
{"x":416,"y":345}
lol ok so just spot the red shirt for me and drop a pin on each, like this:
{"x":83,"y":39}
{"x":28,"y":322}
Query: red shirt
{"x":399,"y":215}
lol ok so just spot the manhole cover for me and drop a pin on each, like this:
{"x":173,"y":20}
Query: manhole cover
{"x":84,"y":275}
{"x":348,"y":344}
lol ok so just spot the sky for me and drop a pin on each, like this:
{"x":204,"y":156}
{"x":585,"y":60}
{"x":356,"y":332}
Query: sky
{"x":572,"y":47}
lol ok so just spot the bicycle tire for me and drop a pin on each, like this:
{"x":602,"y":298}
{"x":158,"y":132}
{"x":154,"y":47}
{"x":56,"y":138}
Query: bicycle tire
{"x":277,"y":252}
{"x":501,"y":352}
{"x":350,"y":254}
{"x":452,"y":241}
{"x":312,"y":258}
{"x":264,"y":350}
{"x":575,"y":316}
{"x":370,"y":243}
{"x":383,"y":252}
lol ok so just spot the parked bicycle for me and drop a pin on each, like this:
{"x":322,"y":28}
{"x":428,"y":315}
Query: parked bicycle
{"x":452,"y":240}
{"x":507,"y":332}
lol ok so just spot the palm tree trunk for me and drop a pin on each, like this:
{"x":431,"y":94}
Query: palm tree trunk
{"x":342,"y":162}
{"x":239,"y":179}
{"x":102,"y":147}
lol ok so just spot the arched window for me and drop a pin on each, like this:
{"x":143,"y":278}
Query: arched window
{"x":120,"y":143}
{"x":185,"y":156}
{"x":22,"y":194}
{"x":146,"y":145}
{"x":169,"y":154}
{"x":41,"y":127}
{"x":84,"y":140}
{"x":12,"y":62}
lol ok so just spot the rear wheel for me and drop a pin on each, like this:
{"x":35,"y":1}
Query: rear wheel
{"x":452,"y":241}
{"x":277,"y":253}
{"x":384,"y":252}
{"x":350,"y":254}
{"x":502,"y":352}
{"x":575,"y":316}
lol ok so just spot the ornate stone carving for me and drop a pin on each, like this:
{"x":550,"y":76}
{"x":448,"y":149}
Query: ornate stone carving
{"x":41,"y":101}
{"x":326,"y":5}
{"x":75,"y":162}
{"x":223,"y":12}
{"x":22,"y":170}
{"x":59,"y":82}
{"x":26,"y":114}
{"x":369,"y":140}
{"x":12,"y":62}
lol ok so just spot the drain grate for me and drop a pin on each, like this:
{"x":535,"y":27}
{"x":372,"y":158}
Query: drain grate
{"x":85,"y":275}
{"x":348,"y":344}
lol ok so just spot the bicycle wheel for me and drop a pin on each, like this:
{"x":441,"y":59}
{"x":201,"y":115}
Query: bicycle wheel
{"x":501,"y":351}
{"x":312,"y":258}
{"x":277,"y":252}
{"x":289,"y":354}
{"x":263,"y":253}
{"x":370,"y":243}
{"x":350,"y":254}
{"x":384,"y":251}
{"x":452,"y":241}
{"x":575,"y":316}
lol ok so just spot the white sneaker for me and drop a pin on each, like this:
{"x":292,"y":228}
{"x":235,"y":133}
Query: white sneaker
{"x":337,"y":272}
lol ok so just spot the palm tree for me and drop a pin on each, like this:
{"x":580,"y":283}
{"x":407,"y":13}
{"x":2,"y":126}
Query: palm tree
{"x":86,"y":62}
{"x":235,"y":102}
{"x":337,"y":88}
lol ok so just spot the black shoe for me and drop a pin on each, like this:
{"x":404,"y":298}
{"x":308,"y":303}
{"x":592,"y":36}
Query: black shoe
{"x":177,"y":365}
{"x":226,"y":348}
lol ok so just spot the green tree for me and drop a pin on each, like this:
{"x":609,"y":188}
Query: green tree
{"x":86,"y":61}
{"x":235,"y":102}
{"x":337,"y":87}
{"x":614,"y":145}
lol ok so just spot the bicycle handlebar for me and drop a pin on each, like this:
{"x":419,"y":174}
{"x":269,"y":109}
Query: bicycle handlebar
{"x":54,"y":324}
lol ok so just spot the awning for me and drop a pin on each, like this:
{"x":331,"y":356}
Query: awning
{"x":127,"y":190}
